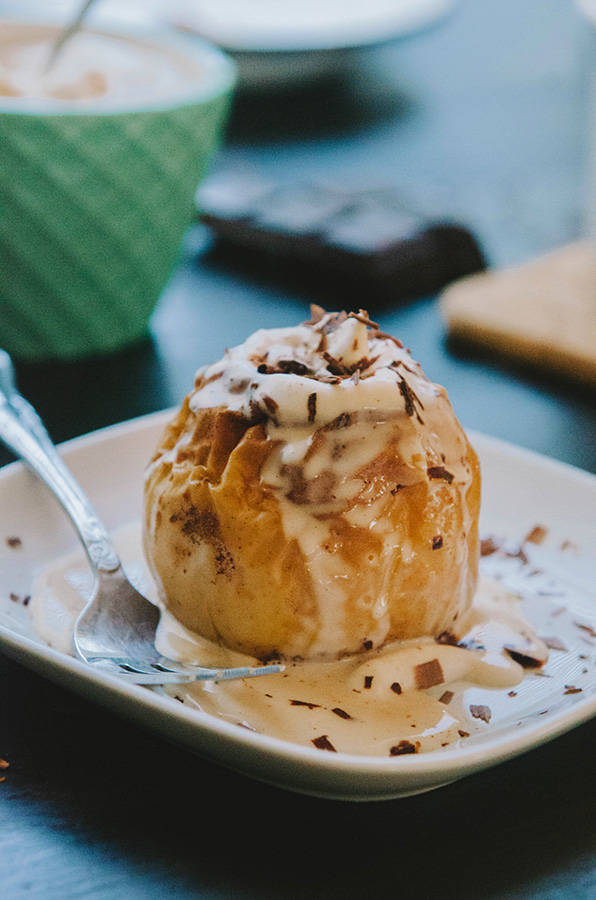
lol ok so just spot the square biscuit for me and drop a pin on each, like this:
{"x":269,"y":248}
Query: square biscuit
{"x":542,"y":313}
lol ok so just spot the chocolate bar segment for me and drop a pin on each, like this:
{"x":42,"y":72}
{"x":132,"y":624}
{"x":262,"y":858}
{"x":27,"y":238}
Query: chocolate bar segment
{"x":330,"y":241}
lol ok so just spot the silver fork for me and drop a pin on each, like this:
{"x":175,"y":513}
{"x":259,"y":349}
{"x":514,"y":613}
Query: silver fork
{"x":115,"y":632}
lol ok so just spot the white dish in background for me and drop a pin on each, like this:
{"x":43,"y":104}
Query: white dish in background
{"x":521,"y":490}
{"x":274,"y":42}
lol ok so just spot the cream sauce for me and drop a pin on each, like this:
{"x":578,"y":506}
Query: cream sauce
{"x":369,"y":704}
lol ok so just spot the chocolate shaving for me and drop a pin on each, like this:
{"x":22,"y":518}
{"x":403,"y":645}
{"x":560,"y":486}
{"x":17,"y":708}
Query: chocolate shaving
{"x":14,"y":597}
{"x":446,"y":697}
{"x":323,"y":743}
{"x":343,"y":370}
{"x":536,"y":535}
{"x":512,"y":694}
{"x":305,"y":703}
{"x":312,"y":406}
{"x":479,"y":711}
{"x":488,"y":546}
{"x":334,"y":321}
{"x":587,"y":628}
{"x":524,"y":657}
{"x":14,"y":543}
{"x":554,"y":643}
{"x":410,"y":399}
{"x":428,"y":674}
{"x":404,"y":747}
{"x":396,"y":687}
{"x":382,"y":335}
{"x":464,"y":733}
{"x":447,"y":637}
{"x":316,"y":314}
{"x":271,"y":404}
{"x":344,"y":420}
{"x":571,"y":689}
{"x":439,"y":473}
{"x":367,"y":645}
{"x":341,"y":713}
{"x":362,"y":316}
{"x":292,"y":367}
{"x":437,"y":542}
{"x":368,"y":680}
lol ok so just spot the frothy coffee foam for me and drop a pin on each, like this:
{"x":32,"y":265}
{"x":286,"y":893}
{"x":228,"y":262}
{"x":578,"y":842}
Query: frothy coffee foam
{"x":94,"y":66}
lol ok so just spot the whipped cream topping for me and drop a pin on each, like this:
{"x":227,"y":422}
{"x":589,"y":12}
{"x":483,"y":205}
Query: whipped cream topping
{"x":338,"y":364}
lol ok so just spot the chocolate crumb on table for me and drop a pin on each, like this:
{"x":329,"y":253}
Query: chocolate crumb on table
{"x":368,"y":680}
{"x":446,"y":697}
{"x":14,"y":543}
{"x":571,"y":689}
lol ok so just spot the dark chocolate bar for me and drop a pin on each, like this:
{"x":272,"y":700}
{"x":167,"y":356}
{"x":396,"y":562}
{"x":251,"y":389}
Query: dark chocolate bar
{"x":334,"y":241}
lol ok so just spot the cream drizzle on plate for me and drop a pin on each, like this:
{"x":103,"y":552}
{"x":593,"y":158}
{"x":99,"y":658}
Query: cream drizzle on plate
{"x":370,"y":704}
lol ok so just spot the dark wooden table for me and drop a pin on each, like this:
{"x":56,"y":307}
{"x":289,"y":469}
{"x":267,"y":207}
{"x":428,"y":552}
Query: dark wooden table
{"x":481,"y":117}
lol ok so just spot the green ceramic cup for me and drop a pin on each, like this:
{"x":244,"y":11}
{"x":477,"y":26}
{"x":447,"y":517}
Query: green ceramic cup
{"x":95,"y":201}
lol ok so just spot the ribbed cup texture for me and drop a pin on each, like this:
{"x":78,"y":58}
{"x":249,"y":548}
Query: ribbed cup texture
{"x":92,"y":215}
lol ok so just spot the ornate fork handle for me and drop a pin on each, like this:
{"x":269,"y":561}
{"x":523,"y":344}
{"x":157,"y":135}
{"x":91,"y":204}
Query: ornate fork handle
{"x":22,"y":431}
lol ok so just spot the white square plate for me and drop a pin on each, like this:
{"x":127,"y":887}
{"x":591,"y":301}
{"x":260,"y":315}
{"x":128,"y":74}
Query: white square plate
{"x":521,"y":490}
